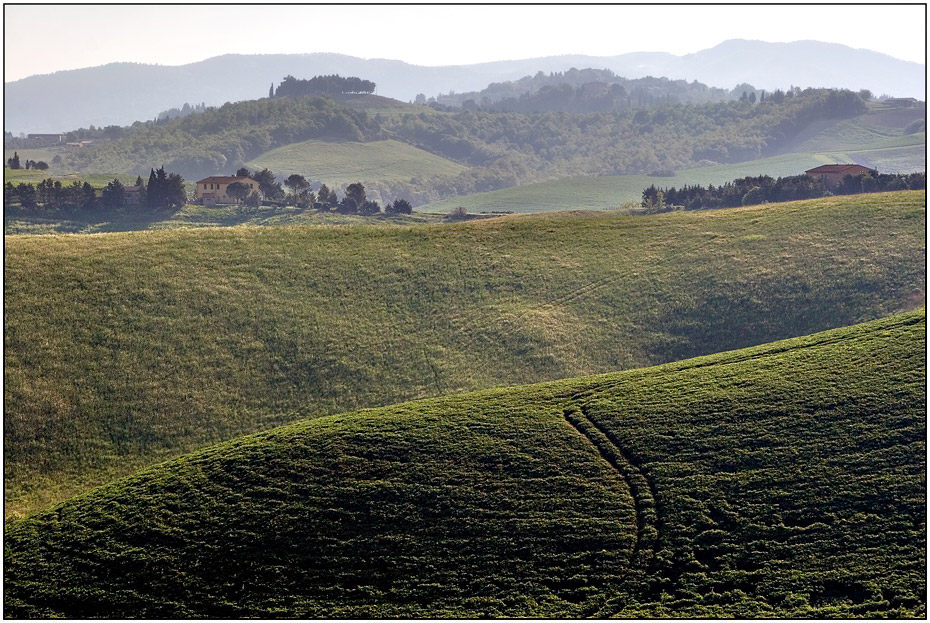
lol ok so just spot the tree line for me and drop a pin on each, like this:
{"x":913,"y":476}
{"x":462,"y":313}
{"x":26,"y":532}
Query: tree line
{"x":14,"y":163}
{"x":354,"y":201}
{"x":321,"y":85}
{"x":765,"y":189}
{"x":163,"y":192}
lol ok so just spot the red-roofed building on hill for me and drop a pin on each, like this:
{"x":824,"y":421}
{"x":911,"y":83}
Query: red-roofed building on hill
{"x":833,"y":174}
{"x":212,"y":190}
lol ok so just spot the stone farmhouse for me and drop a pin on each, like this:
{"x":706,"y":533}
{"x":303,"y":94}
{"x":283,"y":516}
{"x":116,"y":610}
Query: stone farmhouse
{"x":833,"y":174}
{"x":212,"y":190}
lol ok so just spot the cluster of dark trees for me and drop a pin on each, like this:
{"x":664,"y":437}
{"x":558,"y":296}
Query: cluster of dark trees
{"x":14,"y":163}
{"x":321,"y":85}
{"x":164,"y":191}
{"x":49,"y":196}
{"x":323,"y":199}
{"x":355,"y":200}
{"x":765,"y":189}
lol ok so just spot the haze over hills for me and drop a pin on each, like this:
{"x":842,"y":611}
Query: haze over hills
{"x":121,"y":93}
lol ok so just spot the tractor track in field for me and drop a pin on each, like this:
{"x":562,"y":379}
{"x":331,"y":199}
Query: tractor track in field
{"x":641,"y":488}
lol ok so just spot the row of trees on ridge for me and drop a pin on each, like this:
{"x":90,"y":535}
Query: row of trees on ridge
{"x":14,"y":163}
{"x":765,"y":189}
{"x":321,"y":85}
{"x":163,"y":192}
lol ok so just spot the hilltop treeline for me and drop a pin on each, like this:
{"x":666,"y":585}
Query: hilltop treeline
{"x":501,"y":149}
{"x":765,"y":189}
{"x":509,"y":149}
{"x":224,"y":138}
{"x":322,"y":85}
{"x":51,"y":198}
{"x":586,"y":90}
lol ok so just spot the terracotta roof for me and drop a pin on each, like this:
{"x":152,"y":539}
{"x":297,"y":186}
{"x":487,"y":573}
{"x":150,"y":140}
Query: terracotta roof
{"x":838,"y":168}
{"x":221,"y":179}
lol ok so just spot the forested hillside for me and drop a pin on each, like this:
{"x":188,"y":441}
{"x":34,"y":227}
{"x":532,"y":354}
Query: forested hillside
{"x":588,"y":90}
{"x":121,"y":350}
{"x":219,"y":140}
{"x":501,"y":149}
{"x":784,"y":481}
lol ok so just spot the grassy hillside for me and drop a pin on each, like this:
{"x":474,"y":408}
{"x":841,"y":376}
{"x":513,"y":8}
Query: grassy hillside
{"x":97,"y":180}
{"x":879,"y":124}
{"x":125,"y":349}
{"x":609,"y":192}
{"x":339,"y":163}
{"x":195,"y":216}
{"x":786,"y":480}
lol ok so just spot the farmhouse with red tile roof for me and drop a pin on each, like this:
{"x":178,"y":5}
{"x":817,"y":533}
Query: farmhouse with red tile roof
{"x":212,"y":190}
{"x":833,"y":174}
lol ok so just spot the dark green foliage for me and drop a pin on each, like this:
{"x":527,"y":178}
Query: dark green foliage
{"x":26,"y":193}
{"x":13,"y":161}
{"x":113,"y":196}
{"x":369,"y":208}
{"x":165,"y":191}
{"x":323,"y":85}
{"x":326,"y":198}
{"x":348,"y":205}
{"x":356,"y":191}
{"x":267,"y":184}
{"x":785,"y":480}
{"x":238,"y":191}
{"x":297,"y":183}
{"x":399,"y":206}
{"x":763,"y":188}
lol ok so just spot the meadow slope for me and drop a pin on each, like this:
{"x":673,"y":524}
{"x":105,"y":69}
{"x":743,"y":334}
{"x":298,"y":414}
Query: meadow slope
{"x":786,"y":480}
{"x":122,"y":350}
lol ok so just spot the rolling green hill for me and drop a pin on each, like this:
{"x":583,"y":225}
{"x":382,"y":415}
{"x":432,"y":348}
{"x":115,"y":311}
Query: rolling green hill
{"x":340,"y":163}
{"x":786,"y":480}
{"x":611,"y":191}
{"x":121,"y":350}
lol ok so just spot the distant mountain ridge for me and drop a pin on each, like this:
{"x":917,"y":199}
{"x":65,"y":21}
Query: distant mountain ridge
{"x":121,"y":93}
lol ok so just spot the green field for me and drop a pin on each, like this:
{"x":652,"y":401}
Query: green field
{"x":339,"y":163}
{"x":97,"y":180}
{"x":122,"y":350}
{"x":785,"y":481}
{"x":873,"y":128}
{"x":196,"y":216}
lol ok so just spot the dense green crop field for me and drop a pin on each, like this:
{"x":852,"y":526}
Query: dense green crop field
{"x":339,"y":163}
{"x":121,"y":350}
{"x":786,"y":480}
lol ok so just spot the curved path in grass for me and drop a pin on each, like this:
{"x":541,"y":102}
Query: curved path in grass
{"x":640,"y":487}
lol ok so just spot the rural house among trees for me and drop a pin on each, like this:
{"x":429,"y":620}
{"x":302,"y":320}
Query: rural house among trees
{"x":833,"y":174}
{"x":213,"y":190}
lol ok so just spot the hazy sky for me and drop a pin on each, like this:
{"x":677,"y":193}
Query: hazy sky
{"x":42,"y":39}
